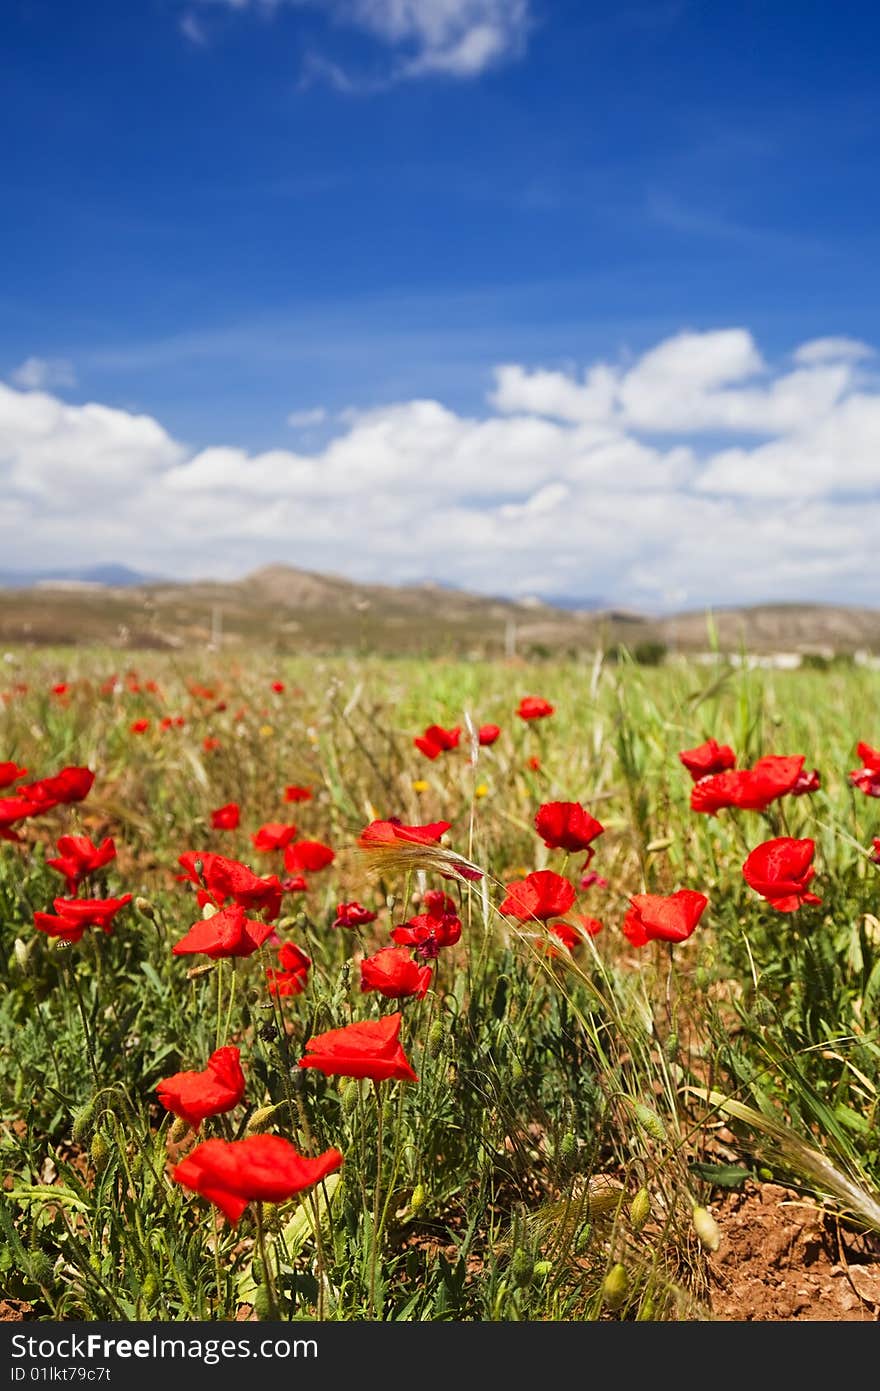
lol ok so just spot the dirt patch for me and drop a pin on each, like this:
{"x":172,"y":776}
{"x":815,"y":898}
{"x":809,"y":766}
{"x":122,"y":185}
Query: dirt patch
{"x":783,"y":1258}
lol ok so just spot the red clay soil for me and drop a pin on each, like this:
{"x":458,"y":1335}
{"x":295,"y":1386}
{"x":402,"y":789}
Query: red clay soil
{"x":782,"y":1259}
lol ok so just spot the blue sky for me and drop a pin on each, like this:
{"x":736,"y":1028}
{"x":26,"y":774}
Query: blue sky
{"x":250,"y":245}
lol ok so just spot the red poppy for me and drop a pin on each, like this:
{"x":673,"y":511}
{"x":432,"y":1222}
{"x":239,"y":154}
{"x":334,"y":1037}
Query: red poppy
{"x":488,"y":733}
{"x":534,"y":708}
{"x":308,"y":856}
{"x":67,"y":929}
{"x":274,"y":835}
{"x":259,"y":1168}
{"x":534,"y":763}
{"x":10,"y":773}
{"x":780,"y":870}
{"x":567,"y":826}
{"x":543,"y":894}
{"x":139,"y":726}
{"x":353,"y":914}
{"x":196,"y":1095}
{"x":875,"y":850}
{"x":292,"y":973}
{"x":394,"y":974}
{"x":293,"y":793}
{"x":806,"y":784}
{"x":437,"y":902}
{"x":14,"y":809}
{"x":371,"y":1048}
{"x":663,"y":917}
{"x":210,"y":743}
{"x":295,"y":884}
{"x":592,"y":880}
{"x":437,"y":740}
{"x":78,"y":856}
{"x":228,"y":932}
{"x":71,"y":784}
{"x":867,"y":778}
{"x":229,"y":879}
{"x":427,"y":933}
{"x":91,"y":912}
{"x":566,"y":934}
{"x":870,"y":757}
{"x":226,"y":818}
{"x":708,"y":758}
{"x":278,"y":687}
{"x":750,"y":789}
{"x":387,"y":832}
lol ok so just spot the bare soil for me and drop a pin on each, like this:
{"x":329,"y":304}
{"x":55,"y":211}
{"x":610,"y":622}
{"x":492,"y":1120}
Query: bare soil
{"x":782,"y":1258}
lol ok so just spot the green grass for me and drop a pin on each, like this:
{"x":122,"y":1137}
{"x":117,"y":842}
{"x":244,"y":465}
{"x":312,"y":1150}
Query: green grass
{"x":552,"y":1092}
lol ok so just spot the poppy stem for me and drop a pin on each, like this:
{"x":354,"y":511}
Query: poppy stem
{"x":90,"y":1051}
{"x":268,"y":1278}
{"x":374,"y":1243}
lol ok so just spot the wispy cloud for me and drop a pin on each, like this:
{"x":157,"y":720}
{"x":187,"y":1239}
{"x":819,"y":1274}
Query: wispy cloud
{"x":192,"y":29}
{"x":452,"y":38}
{"x":303,"y":420}
{"x":42,"y":373}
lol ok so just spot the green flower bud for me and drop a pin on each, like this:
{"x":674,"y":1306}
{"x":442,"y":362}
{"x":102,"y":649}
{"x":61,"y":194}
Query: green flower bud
{"x":100,"y":1152}
{"x":39,"y":1268}
{"x":522,"y":1269}
{"x":615,"y":1287}
{"x":650,"y":1122}
{"x":83,"y":1119}
{"x":640,"y":1209}
{"x":706,"y":1228}
{"x":436,"y":1038}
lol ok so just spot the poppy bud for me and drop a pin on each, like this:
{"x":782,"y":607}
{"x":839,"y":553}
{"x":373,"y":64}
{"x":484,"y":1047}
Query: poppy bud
{"x":672,"y":1046}
{"x":179,"y":1128}
{"x":706,"y":1228}
{"x":20,"y":952}
{"x":262,"y":1302}
{"x":615,"y":1287}
{"x":582,"y":1240}
{"x":144,"y":906}
{"x":418,"y":1199}
{"x":150,"y":1289}
{"x":522,"y":1269}
{"x":262,"y":1119}
{"x":436,"y":1035}
{"x":640,"y":1209}
{"x":39,"y":1268}
{"x":650,"y":1122}
{"x":568,"y":1147}
{"x":82,"y":1121}
{"x":100,"y":1152}
{"x":542,"y":1268}
{"x":516,"y":1070}
{"x":350,"y":1097}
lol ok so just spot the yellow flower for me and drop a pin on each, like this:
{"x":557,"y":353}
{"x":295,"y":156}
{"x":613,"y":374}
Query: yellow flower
{"x":420,"y":785}
{"x":482,"y":790}
{"x":266,"y":731}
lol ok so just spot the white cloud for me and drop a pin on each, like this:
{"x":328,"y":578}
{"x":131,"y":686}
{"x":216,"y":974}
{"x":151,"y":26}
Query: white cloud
{"x":599,"y":482}
{"x":455,"y":38}
{"x":833,"y":350}
{"x":38,"y":373}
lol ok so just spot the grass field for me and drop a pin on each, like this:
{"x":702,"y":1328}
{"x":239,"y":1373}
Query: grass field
{"x":559,"y":1155}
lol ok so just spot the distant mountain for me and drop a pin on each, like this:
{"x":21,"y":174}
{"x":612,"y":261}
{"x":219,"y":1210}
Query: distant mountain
{"x":289,"y":610}
{"x":114,"y":576}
